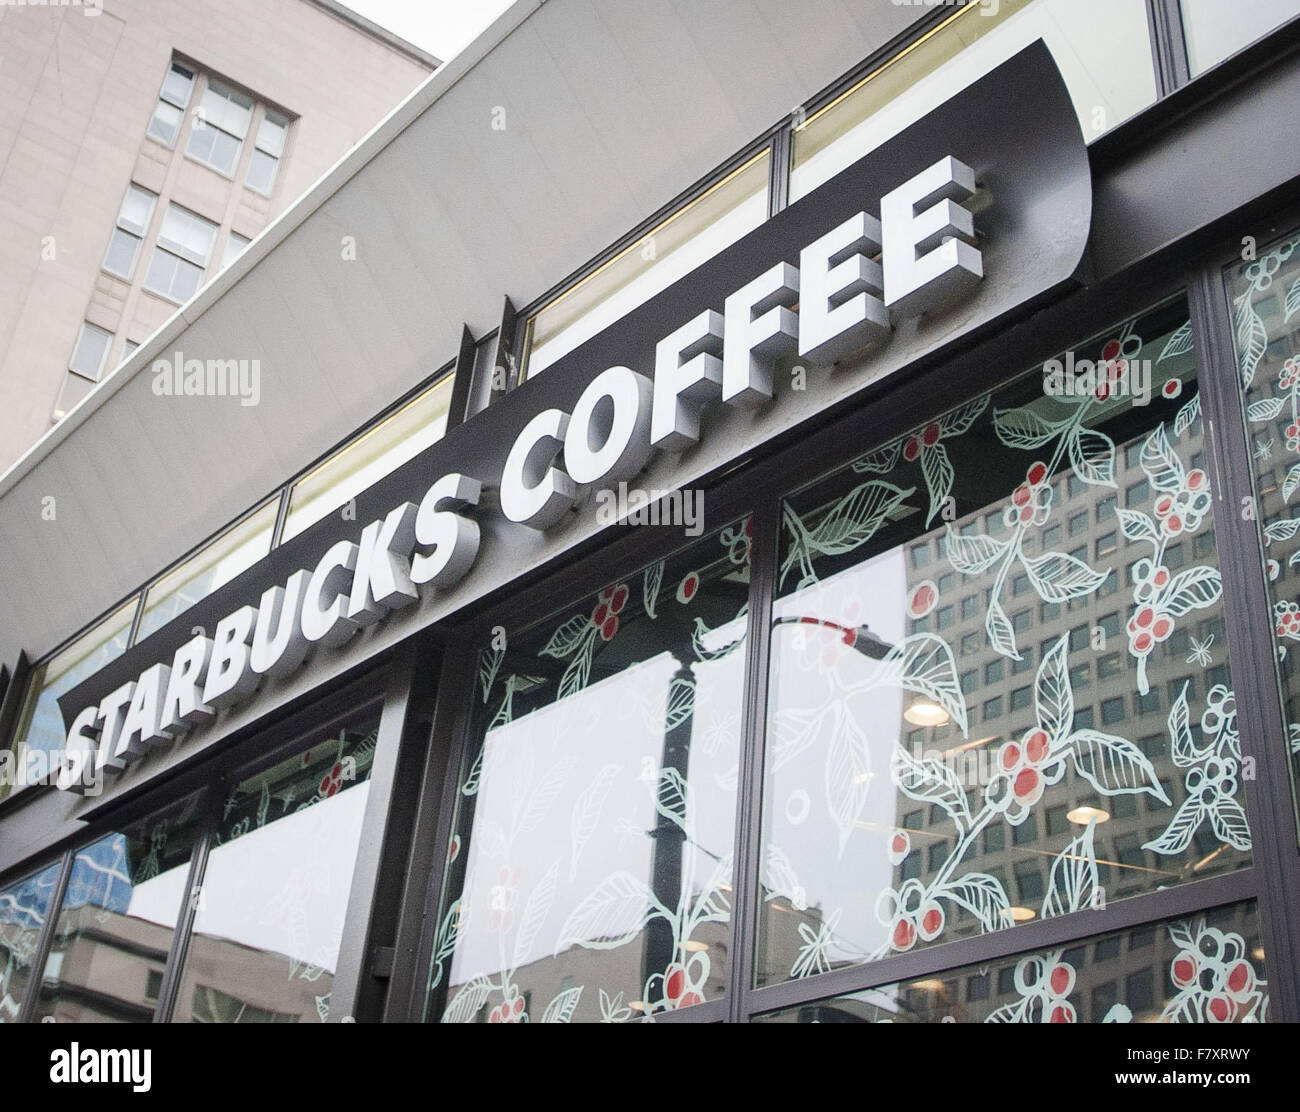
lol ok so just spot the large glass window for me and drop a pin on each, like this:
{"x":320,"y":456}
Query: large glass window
{"x":693,"y":234}
{"x":1216,"y":30}
{"x":169,"y":112}
{"x":236,"y":550}
{"x":114,"y":930}
{"x":184,"y":249}
{"x":270,"y":907}
{"x":24,"y":909}
{"x":590,"y":875}
{"x":369,"y":458}
{"x":132,"y":223}
{"x":1265,"y":299}
{"x":1102,"y":48}
{"x":219,"y":127}
{"x":870,"y":715}
{"x":40,"y":725}
{"x":1205,"y":969}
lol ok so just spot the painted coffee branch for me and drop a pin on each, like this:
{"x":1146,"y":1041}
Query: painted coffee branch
{"x":933,"y":719}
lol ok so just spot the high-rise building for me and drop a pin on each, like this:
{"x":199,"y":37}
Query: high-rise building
{"x":143,"y":144}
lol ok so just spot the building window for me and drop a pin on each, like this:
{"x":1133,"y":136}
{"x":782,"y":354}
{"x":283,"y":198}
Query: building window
{"x":169,"y":112}
{"x":124,"y":899}
{"x":236,"y":550}
{"x":132,"y":223}
{"x":1265,"y":295}
{"x":235,"y":245}
{"x":91,"y":351}
{"x":24,"y":910}
{"x":40,"y":723}
{"x":618,"y":731}
{"x":1216,"y":31}
{"x":267,"y":152}
{"x":699,"y":230}
{"x":848,"y":706}
{"x":372,"y":455}
{"x":1115,"y":73}
{"x":220,"y":125}
{"x":182,"y":254}
{"x":275,"y":887}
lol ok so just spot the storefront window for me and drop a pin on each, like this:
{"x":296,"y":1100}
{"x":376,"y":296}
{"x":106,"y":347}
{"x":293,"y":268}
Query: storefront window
{"x":369,"y":458}
{"x":1205,"y":969}
{"x":39,"y":736}
{"x":590,"y":875}
{"x":1216,"y":30}
{"x":692,"y":235}
{"x":270,"y":907}
{"x":892,"y":761}
{"x":24,"y":908}
{"x":235,"y":551}
{"x":1265,"y":299}
{"x":114,"y":930}
{"x":1102,"y":48}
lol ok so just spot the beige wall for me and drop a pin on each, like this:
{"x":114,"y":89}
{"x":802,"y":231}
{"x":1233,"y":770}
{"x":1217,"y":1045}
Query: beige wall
{"x":77,"y":90}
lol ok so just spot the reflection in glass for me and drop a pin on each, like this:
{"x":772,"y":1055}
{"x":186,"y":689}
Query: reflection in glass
{"x":115,"y":927}
{"x":269,"y":920}
{"x":1102,"y":49}
{"x":591,"y":872}
{"x":40,"y":724}
{"x":1205,"y":969}
{"x":895,"y":749}
{"x":24,"y":908}
{"x":369,"y":458}
{"x":1265,"y":298}
{"x":1216,"y":30}
{"x":236,"y":550}
{"x":692,"y":235}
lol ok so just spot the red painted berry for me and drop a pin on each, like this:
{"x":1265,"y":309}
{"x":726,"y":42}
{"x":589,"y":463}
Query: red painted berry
{"x":911,"y":449}
{"x":1111,"y":350}
{"x":1010,"y":756}
{"x":1026,"y":783}
{"x":1222,"y":1009}
{"x":904,"y":935}
{"x":1184,"y":969}
{"x":1036,"y":746}
{"x":930,"y":435}
{"x":608,"y":630}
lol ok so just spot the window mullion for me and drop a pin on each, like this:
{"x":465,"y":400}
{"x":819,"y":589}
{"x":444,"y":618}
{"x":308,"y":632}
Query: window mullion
{"x":747,"y":858}
{"x":36,"y":976}
{"x":1268,"y":801}
{"x":170,"y":986}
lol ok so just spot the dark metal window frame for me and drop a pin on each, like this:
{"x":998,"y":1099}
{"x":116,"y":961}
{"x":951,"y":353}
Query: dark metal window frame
{"x":758,"y":485}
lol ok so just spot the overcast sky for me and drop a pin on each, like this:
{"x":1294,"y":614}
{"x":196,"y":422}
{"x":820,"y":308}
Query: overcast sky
{"x":442,"y":27}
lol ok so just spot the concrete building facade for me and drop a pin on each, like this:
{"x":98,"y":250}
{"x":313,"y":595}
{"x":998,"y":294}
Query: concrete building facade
{"x":125,"y":122}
